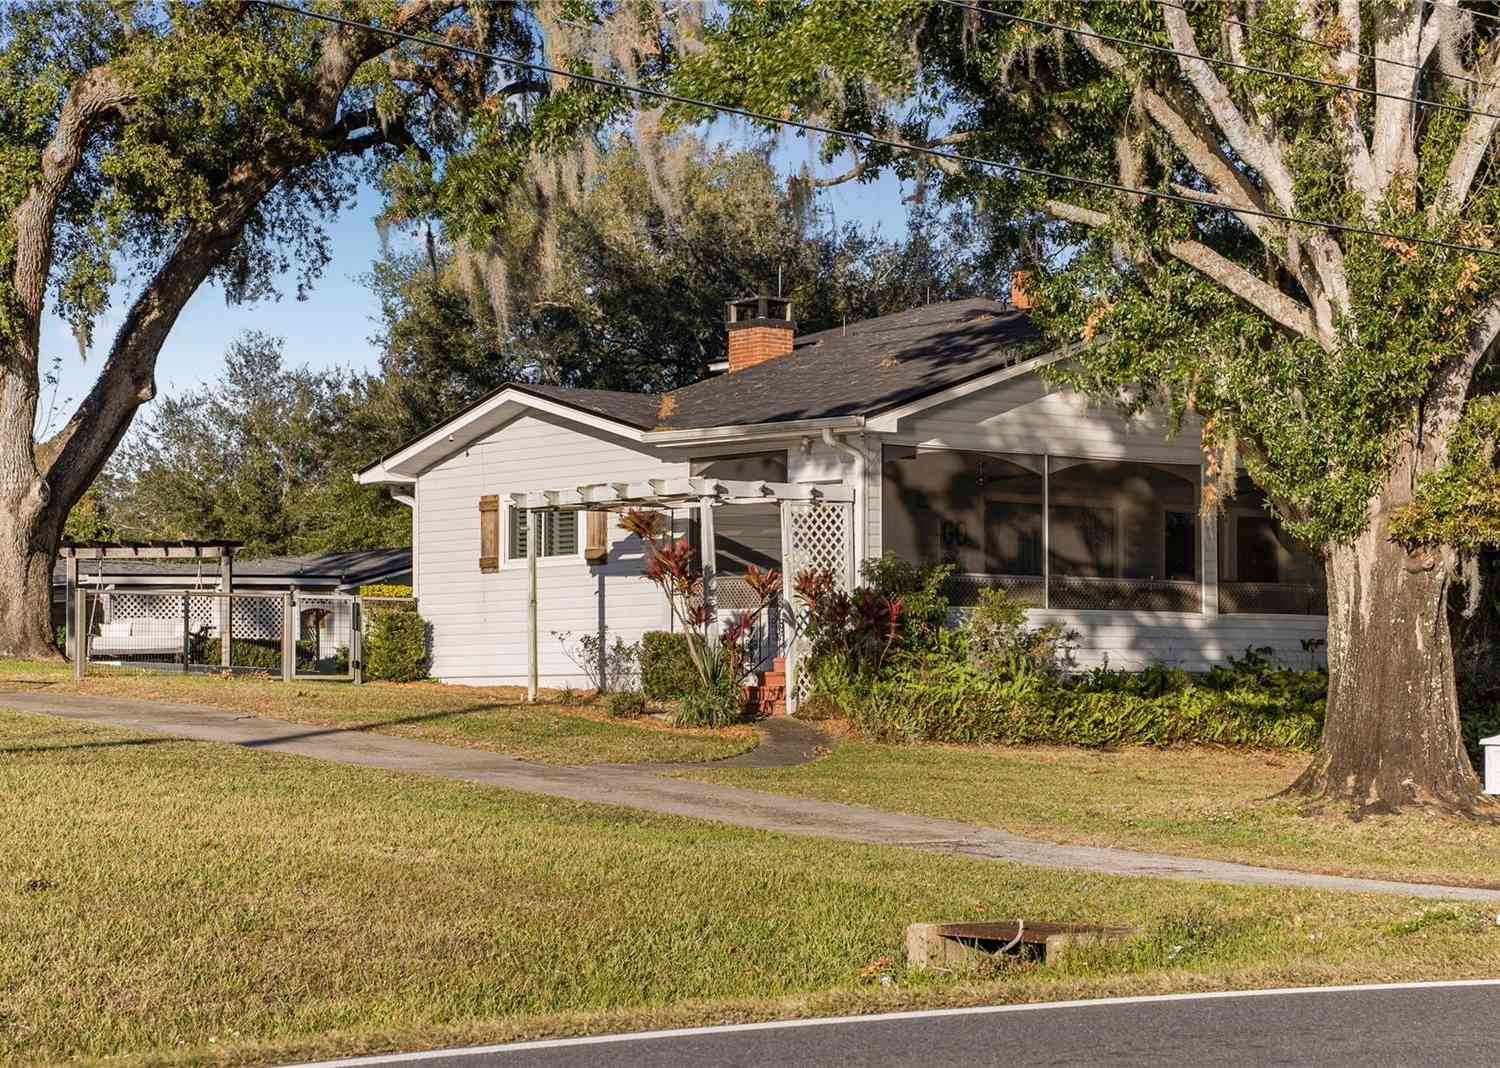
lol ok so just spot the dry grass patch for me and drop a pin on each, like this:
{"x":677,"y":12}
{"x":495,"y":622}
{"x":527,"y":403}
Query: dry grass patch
{"x":182,"y":902}
{"x":1192,"y":801}
{"x":563,"y":729}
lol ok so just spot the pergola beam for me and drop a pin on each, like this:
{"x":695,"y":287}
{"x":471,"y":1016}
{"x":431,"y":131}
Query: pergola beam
{"x":667,"y":492}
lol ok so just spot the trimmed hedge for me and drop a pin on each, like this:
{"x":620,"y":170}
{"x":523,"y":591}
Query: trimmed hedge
{"x":667,"y":671}
{"x":385,"y":589}
{"x":396,"y":646}
{"x":954,"y":703}
{"x":264,"y":654}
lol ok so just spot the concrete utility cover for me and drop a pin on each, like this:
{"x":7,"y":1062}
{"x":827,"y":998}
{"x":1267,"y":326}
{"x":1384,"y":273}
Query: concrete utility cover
{"x":944,"y":945}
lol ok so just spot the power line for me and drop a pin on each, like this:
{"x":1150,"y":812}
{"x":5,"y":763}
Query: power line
{"x":1464,"y":10}
{"x":1252,"y":68}
{"x":1339,"y":50}
{"x":871,"y":139}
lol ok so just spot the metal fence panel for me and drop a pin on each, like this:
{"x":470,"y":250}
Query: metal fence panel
{"x":181,"y":630}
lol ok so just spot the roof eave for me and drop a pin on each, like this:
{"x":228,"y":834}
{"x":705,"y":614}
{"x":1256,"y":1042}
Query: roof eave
{"x":490,"y":414}
{"x":787,"y":428}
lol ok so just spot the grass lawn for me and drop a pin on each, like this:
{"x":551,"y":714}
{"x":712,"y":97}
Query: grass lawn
{"x":1194,"y":801}
{"x":169,"y":901}
{"x":556,"y":731}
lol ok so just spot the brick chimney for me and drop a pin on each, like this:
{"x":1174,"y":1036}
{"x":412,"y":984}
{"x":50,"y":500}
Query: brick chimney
{"x":1019,"y":298}
{"x":760,"y":329}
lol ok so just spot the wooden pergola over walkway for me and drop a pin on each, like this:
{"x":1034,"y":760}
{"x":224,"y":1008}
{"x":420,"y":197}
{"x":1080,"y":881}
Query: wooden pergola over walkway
{"x":704,"y":494}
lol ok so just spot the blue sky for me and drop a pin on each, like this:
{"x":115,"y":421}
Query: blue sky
{"x":332,"y":327}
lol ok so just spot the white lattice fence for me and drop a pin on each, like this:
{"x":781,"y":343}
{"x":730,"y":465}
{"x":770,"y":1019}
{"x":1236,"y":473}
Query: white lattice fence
{"x":820,"y":536}
{"x":257,"y":618}
{"x":815,"y":535}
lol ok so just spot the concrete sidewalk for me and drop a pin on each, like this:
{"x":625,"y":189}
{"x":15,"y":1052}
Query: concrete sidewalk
{"x":641,"y":789}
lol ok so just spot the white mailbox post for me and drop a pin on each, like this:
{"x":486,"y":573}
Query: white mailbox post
{"x":1491,"y":764}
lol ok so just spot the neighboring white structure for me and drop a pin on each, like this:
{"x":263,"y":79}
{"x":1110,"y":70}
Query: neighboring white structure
{"x":954,"y":446}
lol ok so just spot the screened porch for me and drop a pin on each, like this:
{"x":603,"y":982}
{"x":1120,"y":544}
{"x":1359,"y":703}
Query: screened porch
{"x":1074,"y":533}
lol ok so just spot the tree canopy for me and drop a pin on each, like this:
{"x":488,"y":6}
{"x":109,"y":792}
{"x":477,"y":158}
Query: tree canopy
{"x":1344,"y":360}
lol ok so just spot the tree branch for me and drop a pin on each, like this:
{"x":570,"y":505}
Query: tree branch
{"x":1265,"y":298}
{"x":1398,"y":33}
{"x":1247,"y":143}
{"x":1473,"y":146}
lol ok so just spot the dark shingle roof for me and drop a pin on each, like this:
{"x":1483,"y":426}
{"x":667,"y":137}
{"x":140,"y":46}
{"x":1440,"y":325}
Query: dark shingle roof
{"x":633,"y":409}
{"x":348,"y":569}
{"x":862,"y":369}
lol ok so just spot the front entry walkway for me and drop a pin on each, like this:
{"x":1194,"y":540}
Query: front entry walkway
{"x":641,"y":789}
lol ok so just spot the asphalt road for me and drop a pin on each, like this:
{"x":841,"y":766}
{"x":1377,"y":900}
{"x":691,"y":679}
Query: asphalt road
{"x":1415,"y":1024}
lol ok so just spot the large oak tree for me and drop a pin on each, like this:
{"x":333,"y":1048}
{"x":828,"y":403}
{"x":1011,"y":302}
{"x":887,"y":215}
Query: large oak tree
{"x":1352,"y":374}
{"x":150,"y":146}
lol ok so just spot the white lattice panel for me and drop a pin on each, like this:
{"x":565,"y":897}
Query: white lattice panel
{"x":257,"y":618}
{"x":820,"y":536}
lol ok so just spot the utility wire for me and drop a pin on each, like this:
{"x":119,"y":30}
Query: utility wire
{"x":872,"y":139}
{"x":1219,"y":60}
{"x":1338,"y":49}
{"x":1463,"y":10}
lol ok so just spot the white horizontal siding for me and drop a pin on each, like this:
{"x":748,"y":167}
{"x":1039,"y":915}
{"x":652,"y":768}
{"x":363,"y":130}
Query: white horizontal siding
{"x":1028,"y":415}
{"x":1135,"y":640}
{"x":479,"y":620}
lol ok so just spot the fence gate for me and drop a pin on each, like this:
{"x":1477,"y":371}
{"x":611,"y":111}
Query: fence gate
{"x":326,"y":629}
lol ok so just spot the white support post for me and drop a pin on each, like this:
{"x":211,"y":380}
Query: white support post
{"x":1208,"y":561}
{"x":1491,"y":747}
{"x":789,"y":608}
{"x":288,"y":638}
{"x":1046,"y":530}
{"x":533,"y":536}
{"x":707,"y":550}
{"x":79,"y":608}
{"x":226,"y":610}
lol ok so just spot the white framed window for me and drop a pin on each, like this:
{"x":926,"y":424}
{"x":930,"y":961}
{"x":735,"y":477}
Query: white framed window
{"x":559,"y":532}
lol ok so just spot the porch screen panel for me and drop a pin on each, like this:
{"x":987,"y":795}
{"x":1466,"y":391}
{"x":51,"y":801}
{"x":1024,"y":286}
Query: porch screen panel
{"x":1124,"y":535}
{"x":1262,"y":568}
{"x":980,"y":513}
{"x":744,"y":534}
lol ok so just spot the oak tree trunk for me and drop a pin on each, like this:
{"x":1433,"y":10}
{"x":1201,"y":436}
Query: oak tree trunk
{"x":1391,"y":736}
{"x":26,"y":607}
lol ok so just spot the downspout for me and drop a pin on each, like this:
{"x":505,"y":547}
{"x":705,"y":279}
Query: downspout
{"x":858,"y":457}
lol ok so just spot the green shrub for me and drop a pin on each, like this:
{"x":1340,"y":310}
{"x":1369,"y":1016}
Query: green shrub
{"x":953,"y":702}
{"x":711,"y":706}
{"x":385,"y":589}
{"x":999,"y":641}
{"x":262,"y":653}
{"x":667,"y":670}
{"x":1477,"y":723}
{"x":396,"y":646}
{"x":626,"y":704}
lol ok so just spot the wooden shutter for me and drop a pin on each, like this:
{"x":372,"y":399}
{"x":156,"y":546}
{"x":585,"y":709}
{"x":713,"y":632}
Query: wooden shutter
{"x":489,"y":533}
{"x":562,"y":534}
{"x":596,"y":547}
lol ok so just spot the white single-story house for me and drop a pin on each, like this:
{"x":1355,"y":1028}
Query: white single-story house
{"x":930,"y":434}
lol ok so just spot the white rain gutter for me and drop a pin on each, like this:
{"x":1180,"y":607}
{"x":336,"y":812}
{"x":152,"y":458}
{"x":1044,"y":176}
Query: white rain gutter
{"x":792,"y":428}
{"x":857,"y":455}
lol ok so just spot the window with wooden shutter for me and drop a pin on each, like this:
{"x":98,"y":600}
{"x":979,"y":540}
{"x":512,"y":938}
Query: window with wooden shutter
{"x":596,"y":545}
{"x":559,"y":534}
{"x":489,"y":533}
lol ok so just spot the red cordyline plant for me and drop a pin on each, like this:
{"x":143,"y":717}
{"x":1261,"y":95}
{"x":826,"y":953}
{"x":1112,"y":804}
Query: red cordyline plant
{"x":674,"y":566}
{"x":862,"y":625}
